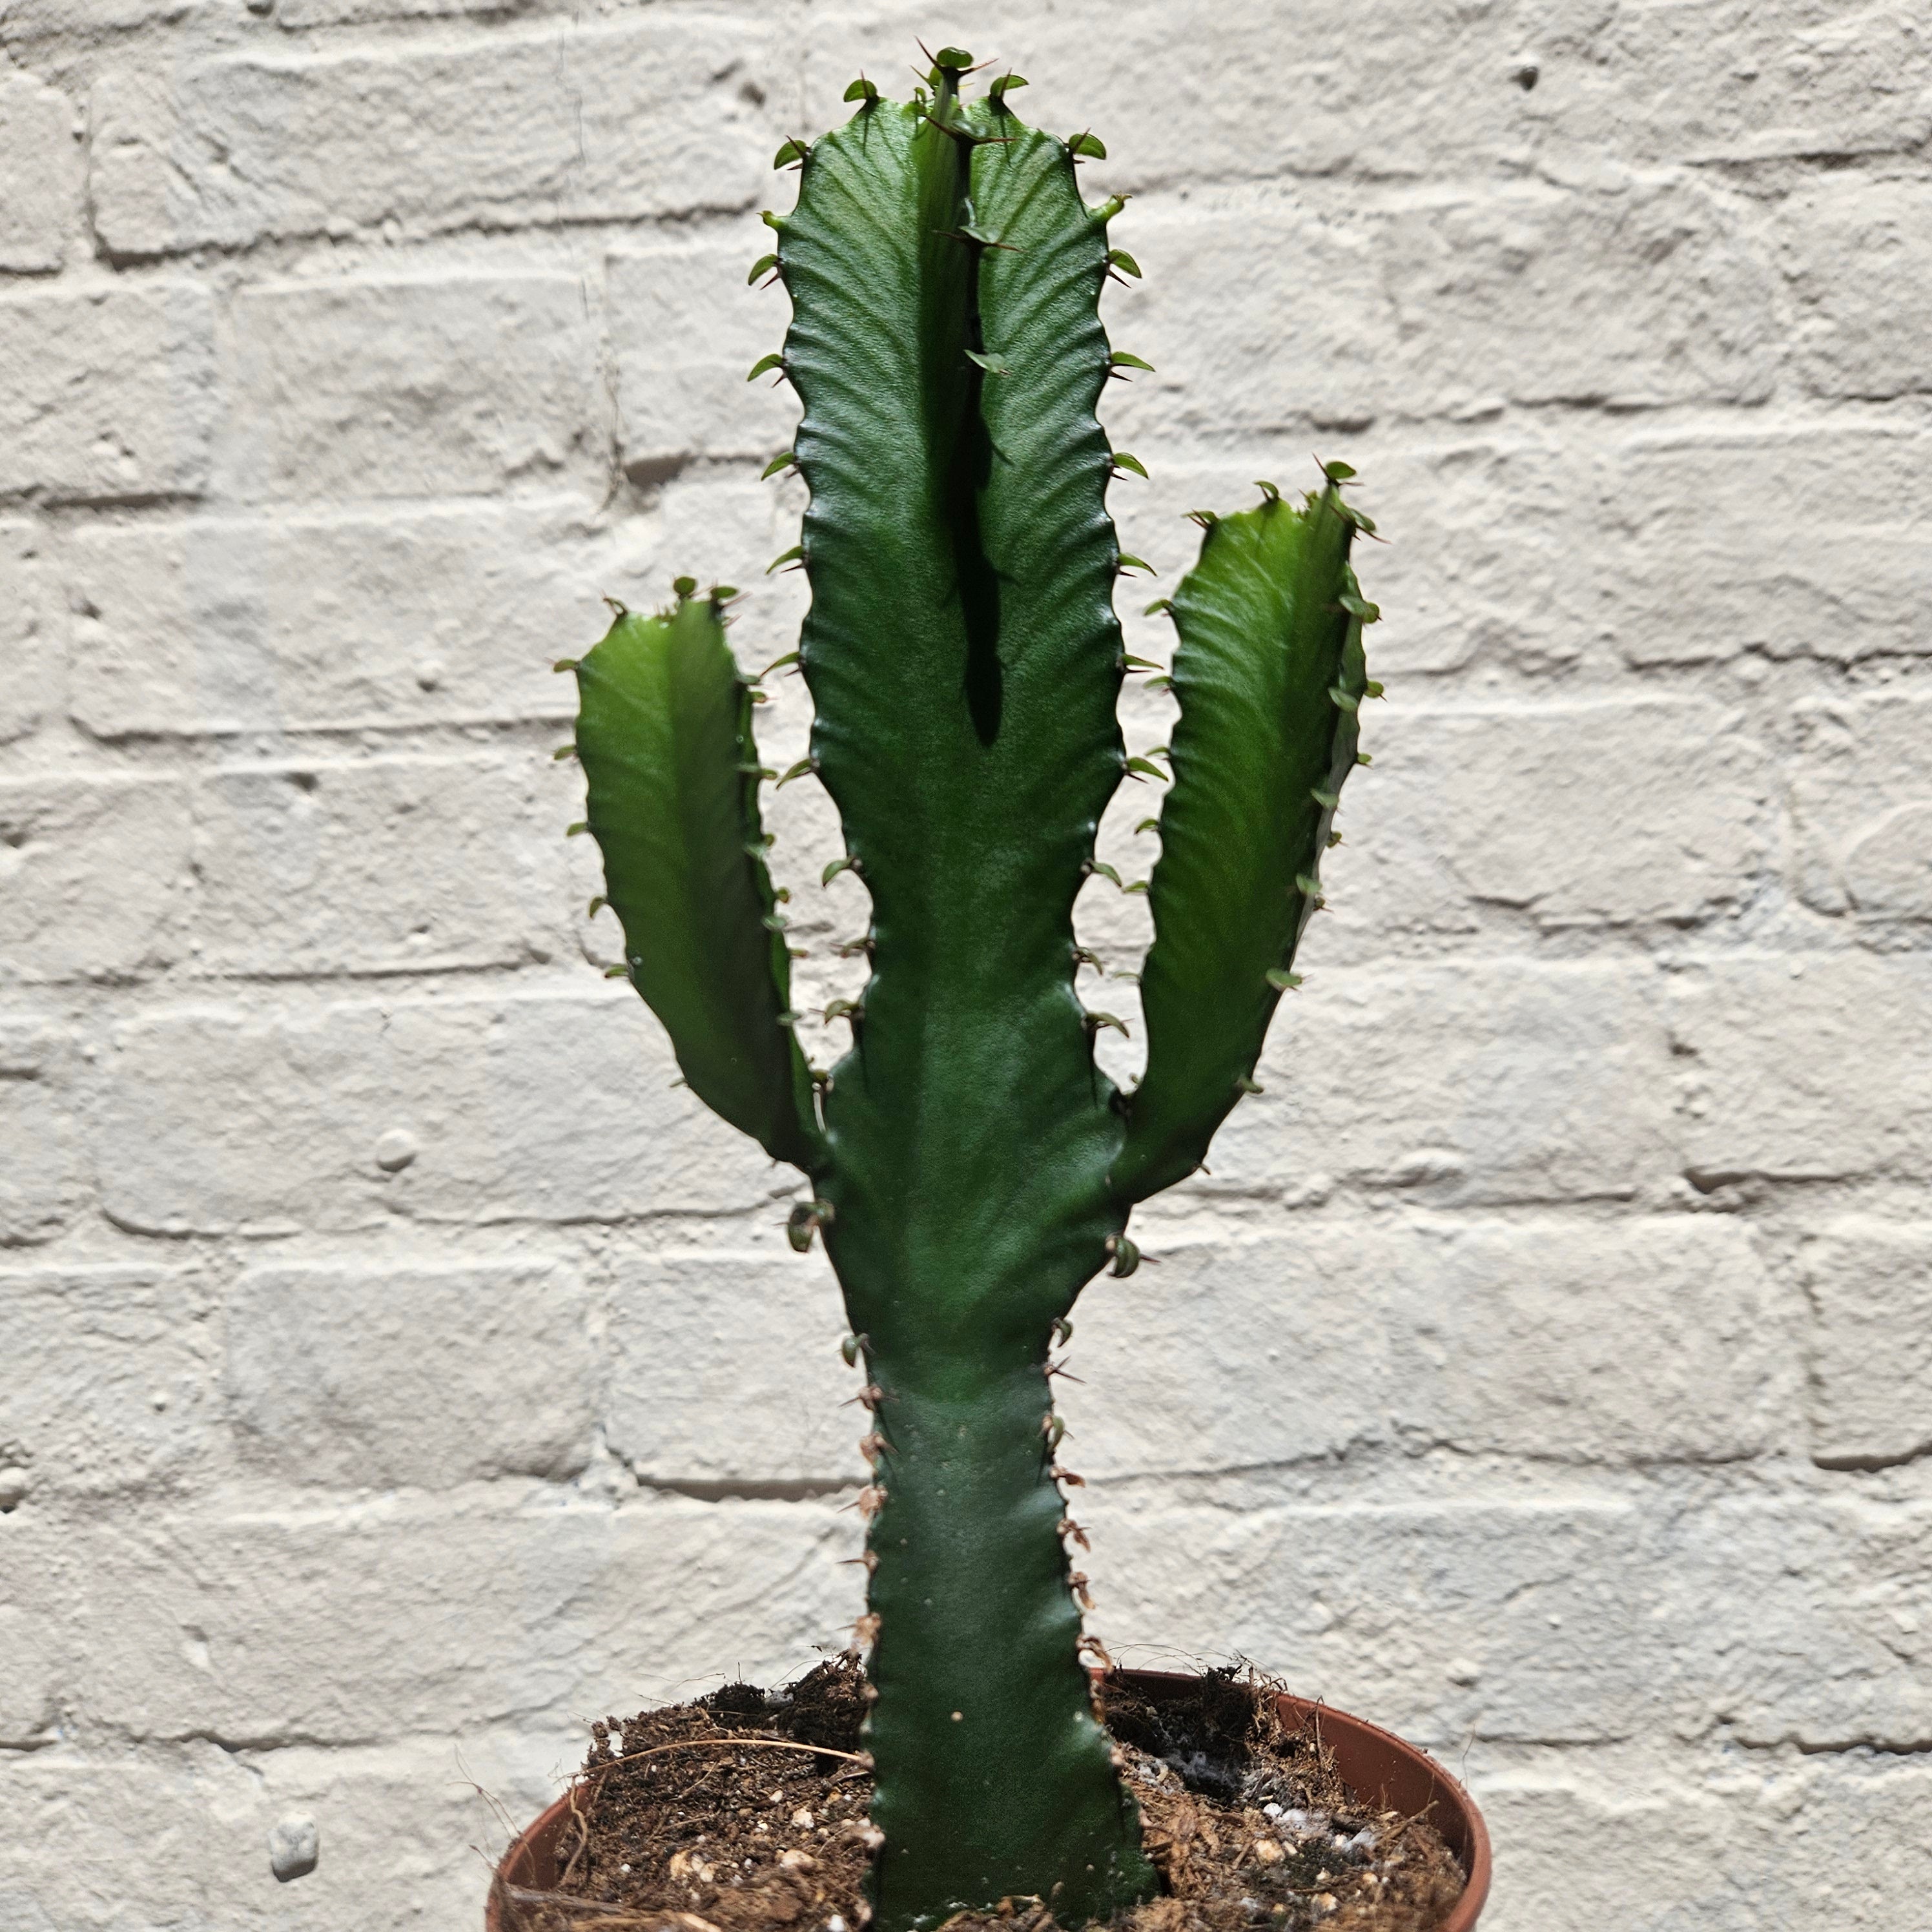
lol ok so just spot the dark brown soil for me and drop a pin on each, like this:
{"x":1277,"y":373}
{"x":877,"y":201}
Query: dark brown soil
{"x":747,"y":1811}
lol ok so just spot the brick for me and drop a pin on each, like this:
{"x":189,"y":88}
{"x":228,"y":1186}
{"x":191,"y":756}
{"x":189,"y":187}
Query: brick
{"x":385,"y":864}
{"x":459,"y":386}
{"x":556,"y":1108}
{"x":1854,"y":251}
{"x":110,"y":1389}
{"x":1731,"y":1850}
{"x":412,"y":1376}
{"x":40,"y":1187}
{"x":1829,"y":1624}
{"x":725,"y":1371}
{"x":1707,"y":552}
{"x":1811,"y":1068}
{"x":1232,"y":97}
{"x":1869,"y":1362}
{"x":682,"y":392}
{"x":1511,"y":809}
{"x":1638,"y":299}
{"x":1502,"y":1082}
{"x":1641,"y":1343}
{"x":355,"y":1625}
{"x":201,"y":1813}
{"x":1498,"y":1618}
{"x":524,"y":129}
{"x":1726,"y":80}
{"x":1862,"y":795}
{"x":107,"y":397}
{"x":226,"y":624}
{"x":31,"y":1687}
{"x":95,"y":873}
{"x":27,"y":639}
{"x":43,"y":200}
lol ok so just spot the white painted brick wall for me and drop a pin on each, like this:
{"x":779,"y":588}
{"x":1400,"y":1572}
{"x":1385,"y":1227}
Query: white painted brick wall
{"x":398,"y":1371}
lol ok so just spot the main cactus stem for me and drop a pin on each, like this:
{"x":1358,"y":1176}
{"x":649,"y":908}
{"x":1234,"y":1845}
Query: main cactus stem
{"x":972,"y":1168}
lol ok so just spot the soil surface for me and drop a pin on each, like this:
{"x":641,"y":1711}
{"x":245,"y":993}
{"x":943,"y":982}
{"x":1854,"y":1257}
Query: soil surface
{"x":747,"y":1811}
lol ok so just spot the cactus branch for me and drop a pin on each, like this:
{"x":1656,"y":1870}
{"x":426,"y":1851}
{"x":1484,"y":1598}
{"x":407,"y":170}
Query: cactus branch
{"x":664,"y":732}
{"x":1269,"y":674}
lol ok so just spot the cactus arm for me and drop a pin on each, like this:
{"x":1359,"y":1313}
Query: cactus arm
{"x":664,"y":733}
{"x":963,"y":659}
{"x":1269,"y":672}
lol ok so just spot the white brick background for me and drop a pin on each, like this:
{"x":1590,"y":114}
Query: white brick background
{"x":397,"y":1373}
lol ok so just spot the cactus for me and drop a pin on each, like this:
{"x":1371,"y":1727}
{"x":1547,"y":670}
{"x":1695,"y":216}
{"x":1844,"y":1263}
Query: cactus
{"x":971,"y":1168}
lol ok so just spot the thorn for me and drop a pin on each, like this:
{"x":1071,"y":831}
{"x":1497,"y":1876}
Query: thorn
{"x":1148,"y":825}
{"x":1086,"y":956}
{"x":1054,"y":1430}
{"x":1336,"y":473}
{"x":1124,"y":1256}
{"x":618,"y":609}
{"x":794,"y":555}
{"x":1282,"y":979}
{"x":873,"y":1446}
{"x":765,"y":364}
{"x":1138,"y":768}
{"x":863,"y":89}
{"x":572,"y":831}
{"x":561,"y":752}
{"x":805,"y":1220}
{"x":792,"y":150}
{"x":1363,"y":758}
{"x":1061,"y":1475}
{"x":762,"y":265}
{"x":1126,"y":460}
{"x":1119,"y":258}
{"x":1066,"y":1526}
{"x":616,"y":972}
{"x":1094,"y":868}
{"x":1096,"y":1021}
{"x":1120,"y":359}
{"x":1092,"y":1644}
{"x":1087,"y":147}
{"x":1076,"y":1582}
{"x":1271,"y":492}
{"x":1359,"y":608}
{"x":1344,"y":700}
{"x":1129,"y":562}
{"x":868,"y":1397}
{"x":1158,"y":604}
{"x":1207,"y":519}
{"x":799,"y":770}
{"x":1107,"y":209}
{"x":848,"y":864}
{"x":1328,"y":800}
{"x":1005,"y":85}
{"x":684,"y":587}
{"x":1334,"y":839}
{"x":597,"y":905}
{"x":1129,"y":662}
{"x":1246,"y":1085}
{"x":843,"y":1010}
{"x":987,"y":363}
{"x":777,"y":664}
{"x":1063,"y":1330}
{"x":785,"y":461}
{"x":567,"y":664}
{"x":849,"y":1348}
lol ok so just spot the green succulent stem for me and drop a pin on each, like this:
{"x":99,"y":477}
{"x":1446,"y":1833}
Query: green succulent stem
{"x":972,"y":1167}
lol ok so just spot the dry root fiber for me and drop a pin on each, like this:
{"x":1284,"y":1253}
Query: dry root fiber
{"x":747,"y":1810}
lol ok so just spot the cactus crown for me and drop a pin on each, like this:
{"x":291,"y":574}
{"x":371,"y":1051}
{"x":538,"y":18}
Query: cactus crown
{"x":972,"y":1168}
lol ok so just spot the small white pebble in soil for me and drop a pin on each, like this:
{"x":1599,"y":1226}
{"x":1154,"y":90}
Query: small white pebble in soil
{"x":1325,"y":1901}
{"x":834,"y":1924}
{"x":1267,"y":1852}
{"x":802,"y":1818}
{"x":1270,"y":1810}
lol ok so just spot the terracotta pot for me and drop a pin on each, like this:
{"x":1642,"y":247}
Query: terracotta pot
{"x":1381,"y":1770}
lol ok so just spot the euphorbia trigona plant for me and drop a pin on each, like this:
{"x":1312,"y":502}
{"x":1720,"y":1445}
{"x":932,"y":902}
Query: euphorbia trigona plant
{"x":971,"y":1167}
